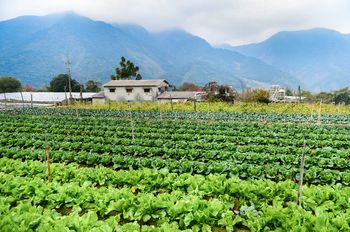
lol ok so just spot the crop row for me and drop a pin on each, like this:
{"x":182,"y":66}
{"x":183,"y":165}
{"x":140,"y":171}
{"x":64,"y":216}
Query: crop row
{"x":160,"y":181}
{"x":261,"y":117}
{"x":184,"y":141}
{"x":257,"y":205}
{"x":237,"y":138}
{"x":276,"y":172}
{"x":149,"y":125}
{"x":163,"y":149}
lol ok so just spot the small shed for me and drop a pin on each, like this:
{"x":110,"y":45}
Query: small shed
{"x":99,"y":98}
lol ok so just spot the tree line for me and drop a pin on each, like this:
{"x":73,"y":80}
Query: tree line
{"x":58,"y":84}
{"x":341,"y":96}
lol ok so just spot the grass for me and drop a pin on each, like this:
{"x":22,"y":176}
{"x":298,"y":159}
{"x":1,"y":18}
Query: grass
{"x":221,"y":107}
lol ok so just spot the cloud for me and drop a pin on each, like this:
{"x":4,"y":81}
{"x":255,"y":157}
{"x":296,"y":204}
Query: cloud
{"x":220,"y":21}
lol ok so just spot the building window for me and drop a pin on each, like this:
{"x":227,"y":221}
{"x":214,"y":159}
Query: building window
{"x":129,"y":90}
{"x":112,"y":90}
{"x":147,"y":90}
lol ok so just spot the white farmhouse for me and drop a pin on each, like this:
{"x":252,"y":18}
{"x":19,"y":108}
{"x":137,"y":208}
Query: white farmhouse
{"x":131,"y":91}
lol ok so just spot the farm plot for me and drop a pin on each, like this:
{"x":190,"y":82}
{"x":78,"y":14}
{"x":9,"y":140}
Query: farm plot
{"x":173,"y":171}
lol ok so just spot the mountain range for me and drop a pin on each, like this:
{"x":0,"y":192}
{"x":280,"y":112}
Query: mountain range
{"x":319,"y":58}
{"x":35,"y":48}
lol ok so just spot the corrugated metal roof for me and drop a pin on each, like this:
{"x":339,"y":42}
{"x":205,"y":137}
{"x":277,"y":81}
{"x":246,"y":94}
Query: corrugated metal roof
{"x":99,"y":95}
{"x":126,"y":83}
{"x":178,"y":95}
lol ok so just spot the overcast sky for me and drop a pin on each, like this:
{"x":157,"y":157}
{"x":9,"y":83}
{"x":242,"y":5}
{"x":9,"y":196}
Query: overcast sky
{"x":218,"y":21}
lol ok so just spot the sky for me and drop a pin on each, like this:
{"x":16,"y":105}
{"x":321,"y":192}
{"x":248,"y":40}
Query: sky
{"x":232,"y":22}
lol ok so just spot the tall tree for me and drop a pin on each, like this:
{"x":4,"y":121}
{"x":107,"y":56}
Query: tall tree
{"x":60,"y":82}
{"x":127,"y":70}
{"x":342,"y":96}
{"x":9,"y":84}
{"x":257,"y":95}
{"x":92,"y":86}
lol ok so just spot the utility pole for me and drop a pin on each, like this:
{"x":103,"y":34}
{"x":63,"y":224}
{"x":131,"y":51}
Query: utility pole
{"x":68,"y":64}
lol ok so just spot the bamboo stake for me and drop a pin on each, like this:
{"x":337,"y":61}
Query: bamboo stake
{"x":31,"y":100}
{"x":65,"y":95}
{"x":81,"y":93}
{"x":132,"y":124}
{"x":160,"y":112}
{"x":302,"y":162}
{"x":319,"y":112}
{"x":5,"y":100}
{"x":338,"y":110}
{"x":22,"y":99}
{"x":171,"y":103}
{"x":48,"y":163}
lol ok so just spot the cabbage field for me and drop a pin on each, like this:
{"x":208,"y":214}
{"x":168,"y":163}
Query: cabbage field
{"x":110,"y":170}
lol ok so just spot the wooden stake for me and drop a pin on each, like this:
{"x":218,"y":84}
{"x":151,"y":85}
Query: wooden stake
{"x":338,"y":106}
{"x":5,"y":100}
{"x":132,"y":124}
{"x":302,"y":162}
{"x":171,"y":103}
{"x":22,"y":99}
{"x":160,"y":113}
{"x":31,"y":100}
{"x":81,"y":93}
{"x":48,"y":163}
{"x":65,"y":94}
{"x":319,"y":113}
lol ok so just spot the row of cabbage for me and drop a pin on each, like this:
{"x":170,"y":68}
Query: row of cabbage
{"x":242,"y":116}
{"x":276,"y":172}
{"x":101,"y":199}
{"x":247,"y":150}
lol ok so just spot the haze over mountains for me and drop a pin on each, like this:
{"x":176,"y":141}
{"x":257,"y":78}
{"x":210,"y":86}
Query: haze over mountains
{"x":34,"y":49}
{"x":319,"y":58}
